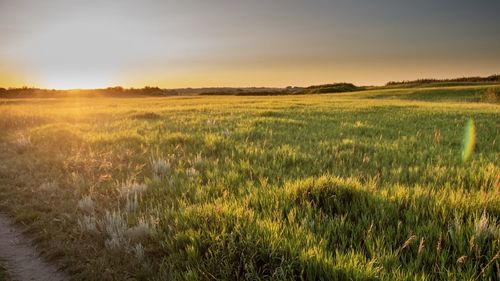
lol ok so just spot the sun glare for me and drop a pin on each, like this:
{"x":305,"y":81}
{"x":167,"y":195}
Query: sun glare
{"x":469,"y":140}
{"x":61,"y":82}
{"x":79,"y":55}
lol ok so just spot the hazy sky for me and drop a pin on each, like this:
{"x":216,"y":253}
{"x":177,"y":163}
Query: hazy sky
{"x":96,"y":43}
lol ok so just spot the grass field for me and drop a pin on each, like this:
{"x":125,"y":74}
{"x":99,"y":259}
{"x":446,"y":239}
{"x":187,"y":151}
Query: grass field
{"x":365,"y":185}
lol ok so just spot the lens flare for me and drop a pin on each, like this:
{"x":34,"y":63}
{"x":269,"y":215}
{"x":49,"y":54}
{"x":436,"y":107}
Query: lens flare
{"x":469,"y":140}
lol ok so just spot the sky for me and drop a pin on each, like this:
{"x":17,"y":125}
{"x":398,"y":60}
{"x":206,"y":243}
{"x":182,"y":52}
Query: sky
{"x":213,"y":43}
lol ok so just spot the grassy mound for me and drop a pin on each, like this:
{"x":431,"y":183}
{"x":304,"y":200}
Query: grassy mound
{"x":332,"y":88}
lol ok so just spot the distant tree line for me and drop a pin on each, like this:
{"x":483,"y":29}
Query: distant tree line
{"x":317,"y":89}
{"x":30,"y":92}
{"x":249,"y":91}
{"x":489,"y":79}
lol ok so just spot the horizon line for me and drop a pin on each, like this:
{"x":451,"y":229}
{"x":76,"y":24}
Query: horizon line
{"x":497,"y":76}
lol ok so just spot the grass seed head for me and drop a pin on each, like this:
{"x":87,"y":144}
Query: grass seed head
{"x":485,"y":230}
{"x":131,"y":188}
{"x":139,"y":232}
{"x":49,"y":186}
{"x":462,"y":259}
{"x":88,"y":224}
{"x":86,"y":204}
{"x":408,"y":242}
{"x":191,"y":172}
{"x":138,"y":251}
{"x":421,"y":245}
{"x":22,"y":141}
{"x":113,"y":224}
{"x":160,"y":166}
{"x":132,"y":203}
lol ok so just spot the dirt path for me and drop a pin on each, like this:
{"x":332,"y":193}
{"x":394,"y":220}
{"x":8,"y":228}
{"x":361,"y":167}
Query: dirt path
{"x":20,"y":258}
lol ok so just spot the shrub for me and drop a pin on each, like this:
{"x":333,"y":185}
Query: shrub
{"x":332,"y":88}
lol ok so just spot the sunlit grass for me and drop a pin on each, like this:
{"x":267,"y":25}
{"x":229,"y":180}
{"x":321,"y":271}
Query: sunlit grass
{"x":368,"y":185}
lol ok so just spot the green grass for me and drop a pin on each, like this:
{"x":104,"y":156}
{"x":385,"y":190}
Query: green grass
{"x":440,"y":94}
{"x":365,"y":185}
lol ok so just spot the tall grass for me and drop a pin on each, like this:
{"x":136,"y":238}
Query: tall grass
{"x":363,"y":186}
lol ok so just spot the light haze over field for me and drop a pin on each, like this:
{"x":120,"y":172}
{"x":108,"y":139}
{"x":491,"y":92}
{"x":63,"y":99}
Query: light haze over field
{"x":86,"y":44}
